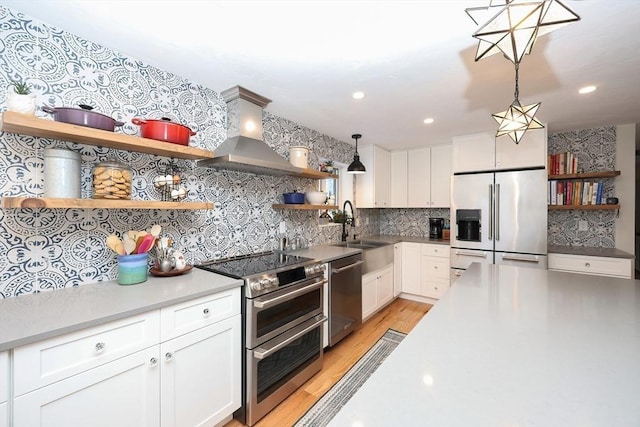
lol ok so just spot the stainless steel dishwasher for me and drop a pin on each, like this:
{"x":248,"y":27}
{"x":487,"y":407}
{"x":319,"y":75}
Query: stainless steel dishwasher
{"x":345,"y":297}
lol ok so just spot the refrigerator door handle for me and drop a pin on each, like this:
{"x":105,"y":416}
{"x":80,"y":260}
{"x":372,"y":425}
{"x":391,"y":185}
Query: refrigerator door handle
{"x":497,"y":212}
{"x":490,"y":211}
{"x":534,"y":259}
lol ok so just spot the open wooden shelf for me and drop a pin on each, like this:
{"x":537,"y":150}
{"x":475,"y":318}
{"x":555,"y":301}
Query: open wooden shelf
{"x":30,"y":125}
{"x":583,"y":207}
{"x":603,"y":174}
{"x":54,"y":203}
{"x":306,"y":207}
{"x":314,"y":174}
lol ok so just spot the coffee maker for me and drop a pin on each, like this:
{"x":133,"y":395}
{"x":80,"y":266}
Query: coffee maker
{"x":435,"y":228}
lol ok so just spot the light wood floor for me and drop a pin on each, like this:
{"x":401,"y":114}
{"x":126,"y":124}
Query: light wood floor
{"x":401,"y":315}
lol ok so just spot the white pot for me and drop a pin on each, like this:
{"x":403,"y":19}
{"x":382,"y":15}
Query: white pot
{"x":25,"y":104}
{"x":299,"y":157}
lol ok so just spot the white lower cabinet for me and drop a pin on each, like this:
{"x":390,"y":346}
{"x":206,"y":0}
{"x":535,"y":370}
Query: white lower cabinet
{"x":426,"y":269}
{"x":377,"y":290}
{"x":200,"y":377}
{"x":411,"y":259}
{"x":397,"y":269}
{"x":599,"y":266}
{"x":4,"y":388}
{"x":123,"y":373}
{"x":122,"y":393}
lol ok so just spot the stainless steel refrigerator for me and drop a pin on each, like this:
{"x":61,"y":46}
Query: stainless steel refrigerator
{"x":499,"y":218}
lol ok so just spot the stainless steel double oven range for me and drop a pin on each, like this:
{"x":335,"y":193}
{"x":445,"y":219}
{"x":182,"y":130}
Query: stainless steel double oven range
{"x":282,"y":325}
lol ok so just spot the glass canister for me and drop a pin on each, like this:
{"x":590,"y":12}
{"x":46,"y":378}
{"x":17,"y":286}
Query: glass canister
{"x":111,"y":180}
{"x":61,"y":173}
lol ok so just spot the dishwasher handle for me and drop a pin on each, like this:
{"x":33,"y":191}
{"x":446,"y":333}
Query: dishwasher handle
{"x":347,"y":267}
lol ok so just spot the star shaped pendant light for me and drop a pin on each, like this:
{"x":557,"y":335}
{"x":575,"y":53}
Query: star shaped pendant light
{"x":516,"y":120}
{"x":513,"y":29}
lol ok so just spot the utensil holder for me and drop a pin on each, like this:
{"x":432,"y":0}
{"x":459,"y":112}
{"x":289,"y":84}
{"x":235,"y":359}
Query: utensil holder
{"x":132,"y":269}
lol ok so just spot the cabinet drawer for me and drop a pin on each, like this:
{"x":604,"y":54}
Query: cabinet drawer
{"x":435,"y":268}
{"x":4,"y":376}
{"x":185,"y":317}
{"x":603,"y":266}
{"x":441,"y":251}
{"x":436,"y":288}
{"x":45,"y":362}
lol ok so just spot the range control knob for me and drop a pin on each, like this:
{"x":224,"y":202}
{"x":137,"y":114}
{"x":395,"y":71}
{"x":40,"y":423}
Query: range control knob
{"x":264,"y":283}
{"x":255,"y":285}
{"x":273,"y":282}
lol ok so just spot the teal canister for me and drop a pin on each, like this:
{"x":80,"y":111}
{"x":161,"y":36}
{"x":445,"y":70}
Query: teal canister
{"x":132,"y":269}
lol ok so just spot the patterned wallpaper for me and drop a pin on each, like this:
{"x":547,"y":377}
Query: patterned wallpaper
{"x":596,"y":151}
{"x":42,"y":249}
{"x":409,"y":222}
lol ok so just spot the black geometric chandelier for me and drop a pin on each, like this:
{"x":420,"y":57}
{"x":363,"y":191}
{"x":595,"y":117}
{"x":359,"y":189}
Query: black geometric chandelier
{"x":512,"y":28}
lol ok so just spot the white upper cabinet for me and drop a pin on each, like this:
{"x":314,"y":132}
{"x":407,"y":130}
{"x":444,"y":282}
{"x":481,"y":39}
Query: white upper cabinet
{"x":483,"y":151}
{"x":475,"y":152}
{"x":530,"y":152}
{"x":426,"y":174}
{"x":440,"y":176}
{"x":373,"y":188}
{"x":399,"y":179}
{"x":419,"y":173}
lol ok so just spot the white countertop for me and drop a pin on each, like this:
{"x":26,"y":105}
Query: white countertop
{"x":512,"y":346}
{"x":33,"y":317}
{"x":326,"y":253}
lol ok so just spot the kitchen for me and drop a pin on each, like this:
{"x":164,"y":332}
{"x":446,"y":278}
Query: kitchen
{"x":74,"y":238}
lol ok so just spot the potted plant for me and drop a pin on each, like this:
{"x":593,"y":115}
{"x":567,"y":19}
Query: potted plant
{"x":339,"y":217}
{"x":329,"y":166}
{"x":20,"y":99}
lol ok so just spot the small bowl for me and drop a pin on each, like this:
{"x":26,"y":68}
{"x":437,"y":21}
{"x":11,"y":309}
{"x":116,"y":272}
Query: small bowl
{"x":316,"y":197}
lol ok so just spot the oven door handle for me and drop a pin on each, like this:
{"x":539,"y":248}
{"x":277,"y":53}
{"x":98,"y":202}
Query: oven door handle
{"x":290,"y":295}
{"x":348,"y":267}
{"x":261,"y":352}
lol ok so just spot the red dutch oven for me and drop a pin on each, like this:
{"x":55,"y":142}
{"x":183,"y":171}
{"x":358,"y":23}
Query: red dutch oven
{"x":164,"y":130}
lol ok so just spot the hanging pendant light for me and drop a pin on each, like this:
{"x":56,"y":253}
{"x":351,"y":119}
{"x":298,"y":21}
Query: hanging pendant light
{"x":356,"y":166}
{"x":517,"y":119}
{"x":514,"y":28}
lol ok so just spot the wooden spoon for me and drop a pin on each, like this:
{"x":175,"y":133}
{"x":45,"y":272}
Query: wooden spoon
{"x":129,"y":246}
{"x":155,"y":230}
{"x":139,"y":241}
{"x":113,"y":243}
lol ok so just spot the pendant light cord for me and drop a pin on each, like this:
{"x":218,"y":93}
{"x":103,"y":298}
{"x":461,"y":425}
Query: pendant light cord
{"x":516,"y":93}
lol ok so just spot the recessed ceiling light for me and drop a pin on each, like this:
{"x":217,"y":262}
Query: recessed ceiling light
{"x":587,"y":89}
{"x":428,"y":121}
{"x":358,"y":95}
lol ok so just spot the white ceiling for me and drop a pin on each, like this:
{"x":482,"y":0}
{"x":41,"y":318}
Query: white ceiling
{"x":413,"y":60}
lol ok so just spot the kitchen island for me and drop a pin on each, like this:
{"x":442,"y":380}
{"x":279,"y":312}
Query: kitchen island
{"x":510,"y":346}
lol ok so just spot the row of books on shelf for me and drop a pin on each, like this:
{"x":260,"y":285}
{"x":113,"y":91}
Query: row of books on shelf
{"x":575,"y":193}
{"x":562,"y":164}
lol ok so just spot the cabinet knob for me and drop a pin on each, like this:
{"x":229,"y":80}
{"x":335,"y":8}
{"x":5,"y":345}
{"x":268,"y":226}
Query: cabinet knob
{"x":586,"y":264}
{"x":205,"y":312}
{"x":168,"y":357}
{"x":435,"y":288}
{"x":153,"y":361}
{"x":100,"y":347}
{"x":435,"y":267}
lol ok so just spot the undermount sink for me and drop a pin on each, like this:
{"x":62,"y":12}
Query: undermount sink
{"x":361,"y":244}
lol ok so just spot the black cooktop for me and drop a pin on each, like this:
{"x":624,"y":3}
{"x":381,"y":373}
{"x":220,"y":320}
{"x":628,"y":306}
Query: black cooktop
{"x":244,"y":266}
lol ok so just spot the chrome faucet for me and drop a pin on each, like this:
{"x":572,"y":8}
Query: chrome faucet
{"x":344,"y":220}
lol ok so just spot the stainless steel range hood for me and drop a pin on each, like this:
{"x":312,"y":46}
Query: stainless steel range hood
{"x":244,"y":149}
